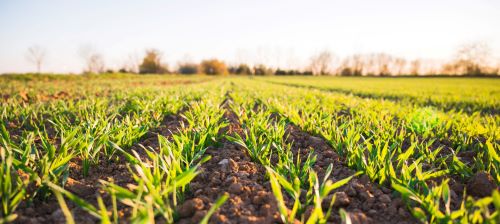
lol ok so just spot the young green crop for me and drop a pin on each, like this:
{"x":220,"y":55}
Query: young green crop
{"x":373,"y":137}
{"x":414,"y":135}
{"x":265,"y":139}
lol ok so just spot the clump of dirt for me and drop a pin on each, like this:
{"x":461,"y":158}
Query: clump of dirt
{"x":481,"y":185}
{"x":230,"y":171}
{"x":365,"y":202}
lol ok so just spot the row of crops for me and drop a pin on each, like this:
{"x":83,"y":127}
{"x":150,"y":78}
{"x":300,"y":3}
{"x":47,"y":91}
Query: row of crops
{"x":195,"y":149}
{"x":417,"y":150}
{"x":466,"y":95}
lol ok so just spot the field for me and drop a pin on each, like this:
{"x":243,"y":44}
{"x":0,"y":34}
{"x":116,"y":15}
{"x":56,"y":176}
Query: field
{"x":207,"y":149}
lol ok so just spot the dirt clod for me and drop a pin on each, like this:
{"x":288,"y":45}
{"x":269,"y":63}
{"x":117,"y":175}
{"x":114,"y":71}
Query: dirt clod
{"x":235,"y":188}
{"x":359,"y":218}
{"x":189,"y":207}
{"x":341,"y":199}
{"x":481,"y":184}
{"x":384,"y":198}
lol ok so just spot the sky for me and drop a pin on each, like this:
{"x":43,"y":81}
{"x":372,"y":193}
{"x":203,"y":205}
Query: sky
{"x":275,"y":32}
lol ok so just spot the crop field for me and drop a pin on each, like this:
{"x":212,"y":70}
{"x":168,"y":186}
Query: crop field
{"x":207,"y":149}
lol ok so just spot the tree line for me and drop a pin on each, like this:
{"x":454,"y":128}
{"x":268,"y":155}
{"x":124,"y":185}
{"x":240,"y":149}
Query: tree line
{"x":470,"y":59}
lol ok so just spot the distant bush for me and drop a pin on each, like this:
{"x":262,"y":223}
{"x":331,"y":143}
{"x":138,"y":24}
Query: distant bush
{"x":280,"y":72}
{"x":262,"y":70}
{"x":307,"y":72}
{"x":288,"y":72}
{"x":242,"y":69}
{"x":188,"y":69}
{"x":213,"y":67}
{"x":151,"y":64}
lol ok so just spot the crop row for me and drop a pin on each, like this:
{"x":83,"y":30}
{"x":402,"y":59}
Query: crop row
{"x":461,"y":95}
{"x":415,"y":150}
{"x":42,"y":140}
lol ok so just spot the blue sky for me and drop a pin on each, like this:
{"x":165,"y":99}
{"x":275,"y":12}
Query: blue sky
{"x":282,"y":33}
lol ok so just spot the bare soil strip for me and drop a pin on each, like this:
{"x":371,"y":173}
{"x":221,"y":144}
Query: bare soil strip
{"x":230,"y":171}
{"x":88,"y":187}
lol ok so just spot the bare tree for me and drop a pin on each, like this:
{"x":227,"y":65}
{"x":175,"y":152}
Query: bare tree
{"x":94,"y":62}
{"x":352,"y":66}
{"x":398,"y":66}
{"x":472,"y":58}
{"x":36,"y":55}
{"x":370,"y":64}
{"x":415,"y":67}
{"x":357,"y":64}
{"x":291,"y":61}
{"x":383,"y":62}
{"x":321,"y":63}
{"x":132,"y":63}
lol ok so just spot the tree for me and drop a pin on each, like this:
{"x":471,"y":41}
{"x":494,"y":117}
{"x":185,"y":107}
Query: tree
{"x":36,"y":55}
{"x":243,"y":69}
{"x":321,"y":63}
{"x":131,"y":64}
{"x":415,"y":67}
{"x":262,"y":70}
{"x":280,"y":72}
{"x":213,"y":67}
{"x":151,"y":64}
{"x":471,"y":58}
{"x":383,"y":62}
{"x":398,"y":66}
{"x":352,"y":66}
{"x":94,"y":62}
{"x":357,"y":65}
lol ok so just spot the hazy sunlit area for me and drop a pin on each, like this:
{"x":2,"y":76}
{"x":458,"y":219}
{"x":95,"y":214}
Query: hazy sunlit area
{"x":250,"y":111}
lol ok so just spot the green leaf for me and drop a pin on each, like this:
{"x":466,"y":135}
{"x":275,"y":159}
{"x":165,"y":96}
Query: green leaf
{"x":419,"y":214}
{"x":64,"y":208}
{"x":80,"y":202}
{"x":329,"y":187}
{"x":492,"y":152}
{"x":344,"y":216}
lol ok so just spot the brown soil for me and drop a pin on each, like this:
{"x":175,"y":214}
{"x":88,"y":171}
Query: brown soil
{"x":88,"y":187}
{"x":481,"y":185}
{"x":365,"y":202}
{"x":230,"y":171}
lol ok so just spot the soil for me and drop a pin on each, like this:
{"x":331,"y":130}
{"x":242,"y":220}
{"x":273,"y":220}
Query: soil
{"x":365,"y":202}
{"x":230,"y":171}
{"x":481,"y":185}
{"x":88,"y":187}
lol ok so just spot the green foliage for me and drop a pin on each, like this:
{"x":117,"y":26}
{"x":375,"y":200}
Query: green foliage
{"x":410,"y":134}
{"x":213,"y":67}
{"x":394,"y":141}
{"x":151,"y":64}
